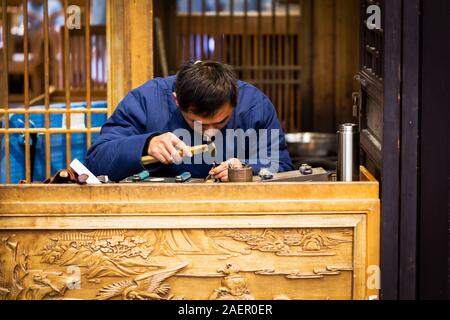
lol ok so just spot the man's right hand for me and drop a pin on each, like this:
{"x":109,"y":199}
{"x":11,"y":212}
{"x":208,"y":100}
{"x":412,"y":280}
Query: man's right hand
{"x":166,"y":147}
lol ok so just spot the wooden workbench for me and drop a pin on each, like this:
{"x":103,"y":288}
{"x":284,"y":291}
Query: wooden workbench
{"x":225,"y":241}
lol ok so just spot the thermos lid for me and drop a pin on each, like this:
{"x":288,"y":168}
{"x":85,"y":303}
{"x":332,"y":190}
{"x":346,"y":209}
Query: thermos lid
{"x":348,"y":127}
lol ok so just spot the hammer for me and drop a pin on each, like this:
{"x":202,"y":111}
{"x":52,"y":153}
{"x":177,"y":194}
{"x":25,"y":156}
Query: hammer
{"x":209,"y":147}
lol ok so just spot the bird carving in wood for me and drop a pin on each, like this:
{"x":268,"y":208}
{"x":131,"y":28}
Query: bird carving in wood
{"x":149,"y":286}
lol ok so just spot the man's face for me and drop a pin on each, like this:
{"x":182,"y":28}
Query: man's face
{"x":216,"y":122}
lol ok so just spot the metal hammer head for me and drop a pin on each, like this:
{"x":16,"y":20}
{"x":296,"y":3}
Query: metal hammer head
{"x":212,"y":148}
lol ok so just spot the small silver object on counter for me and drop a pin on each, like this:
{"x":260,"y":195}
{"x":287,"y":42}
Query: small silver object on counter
{"x":348,"y":153}
{"x":265,"y":174}
{"x":306,"y":169}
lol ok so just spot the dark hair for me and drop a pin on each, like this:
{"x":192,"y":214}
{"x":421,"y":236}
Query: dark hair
{"x":203,"y":87}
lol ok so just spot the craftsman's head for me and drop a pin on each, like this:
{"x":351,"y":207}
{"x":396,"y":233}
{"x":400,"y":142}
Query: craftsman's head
{"x":207,"y":92}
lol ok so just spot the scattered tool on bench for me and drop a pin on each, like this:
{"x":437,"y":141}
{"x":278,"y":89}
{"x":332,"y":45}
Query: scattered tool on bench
{"x":184,"y":177}
{"x":141,"y":176}
{"x":209,"y":178}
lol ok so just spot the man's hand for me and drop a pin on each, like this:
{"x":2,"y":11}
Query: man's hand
{"x":165,"y":148}
{"x":221,"y":172}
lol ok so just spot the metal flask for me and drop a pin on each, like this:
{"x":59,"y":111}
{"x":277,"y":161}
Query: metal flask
{"x":348,"y":153}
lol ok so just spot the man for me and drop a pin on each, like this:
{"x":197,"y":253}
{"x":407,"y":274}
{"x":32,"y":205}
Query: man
{"x":204,"y":99}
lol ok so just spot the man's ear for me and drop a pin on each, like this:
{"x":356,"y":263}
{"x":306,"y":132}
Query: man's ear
{"x":176,"y":99}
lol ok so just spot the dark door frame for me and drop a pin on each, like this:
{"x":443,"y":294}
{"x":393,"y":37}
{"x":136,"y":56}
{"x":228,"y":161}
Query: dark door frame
{"x":416,"y":162}
{"x":390,"y":194}
{"x":434,"y":164}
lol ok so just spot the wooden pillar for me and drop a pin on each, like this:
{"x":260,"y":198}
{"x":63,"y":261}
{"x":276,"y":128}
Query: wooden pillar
{"x":334,"y":62}
{"x":346,"y":59}
{"x":324,"y":35}
{"x":130,"y":47}
{"x":306,"y":63}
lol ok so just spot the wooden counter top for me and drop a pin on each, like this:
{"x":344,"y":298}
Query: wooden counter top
{"x":228,"y":241}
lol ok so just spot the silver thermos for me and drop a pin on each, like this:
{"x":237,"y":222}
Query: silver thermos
{"x":348,"y":153}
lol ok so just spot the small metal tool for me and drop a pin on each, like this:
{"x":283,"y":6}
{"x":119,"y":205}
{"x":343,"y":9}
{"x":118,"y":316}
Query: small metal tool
{"x":209,"y":177}
{"x":184,"y":177}
{"x":306,"y":169}
{"x":141,"y":176}
{"x":104,"y":179}
{"x":265,"y":174}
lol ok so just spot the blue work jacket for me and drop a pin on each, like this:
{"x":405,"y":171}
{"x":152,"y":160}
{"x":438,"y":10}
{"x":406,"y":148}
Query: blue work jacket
{"x":151,"y":109}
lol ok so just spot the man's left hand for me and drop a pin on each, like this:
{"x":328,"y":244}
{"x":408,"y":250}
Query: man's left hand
{"x":221,"y":172}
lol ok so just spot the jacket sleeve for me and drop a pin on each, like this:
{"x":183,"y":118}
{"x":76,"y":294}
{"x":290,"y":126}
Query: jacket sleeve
{"x":272,"y":150}
{"x":118,"y":151}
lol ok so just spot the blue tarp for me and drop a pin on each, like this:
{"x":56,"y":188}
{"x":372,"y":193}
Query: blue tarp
{"x":57,"y":142}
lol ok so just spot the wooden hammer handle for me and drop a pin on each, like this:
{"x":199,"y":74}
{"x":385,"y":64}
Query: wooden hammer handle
{"x":148,"y":160}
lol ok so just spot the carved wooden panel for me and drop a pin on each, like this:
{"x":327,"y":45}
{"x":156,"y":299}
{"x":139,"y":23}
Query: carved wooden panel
{"x":242,"y":264}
